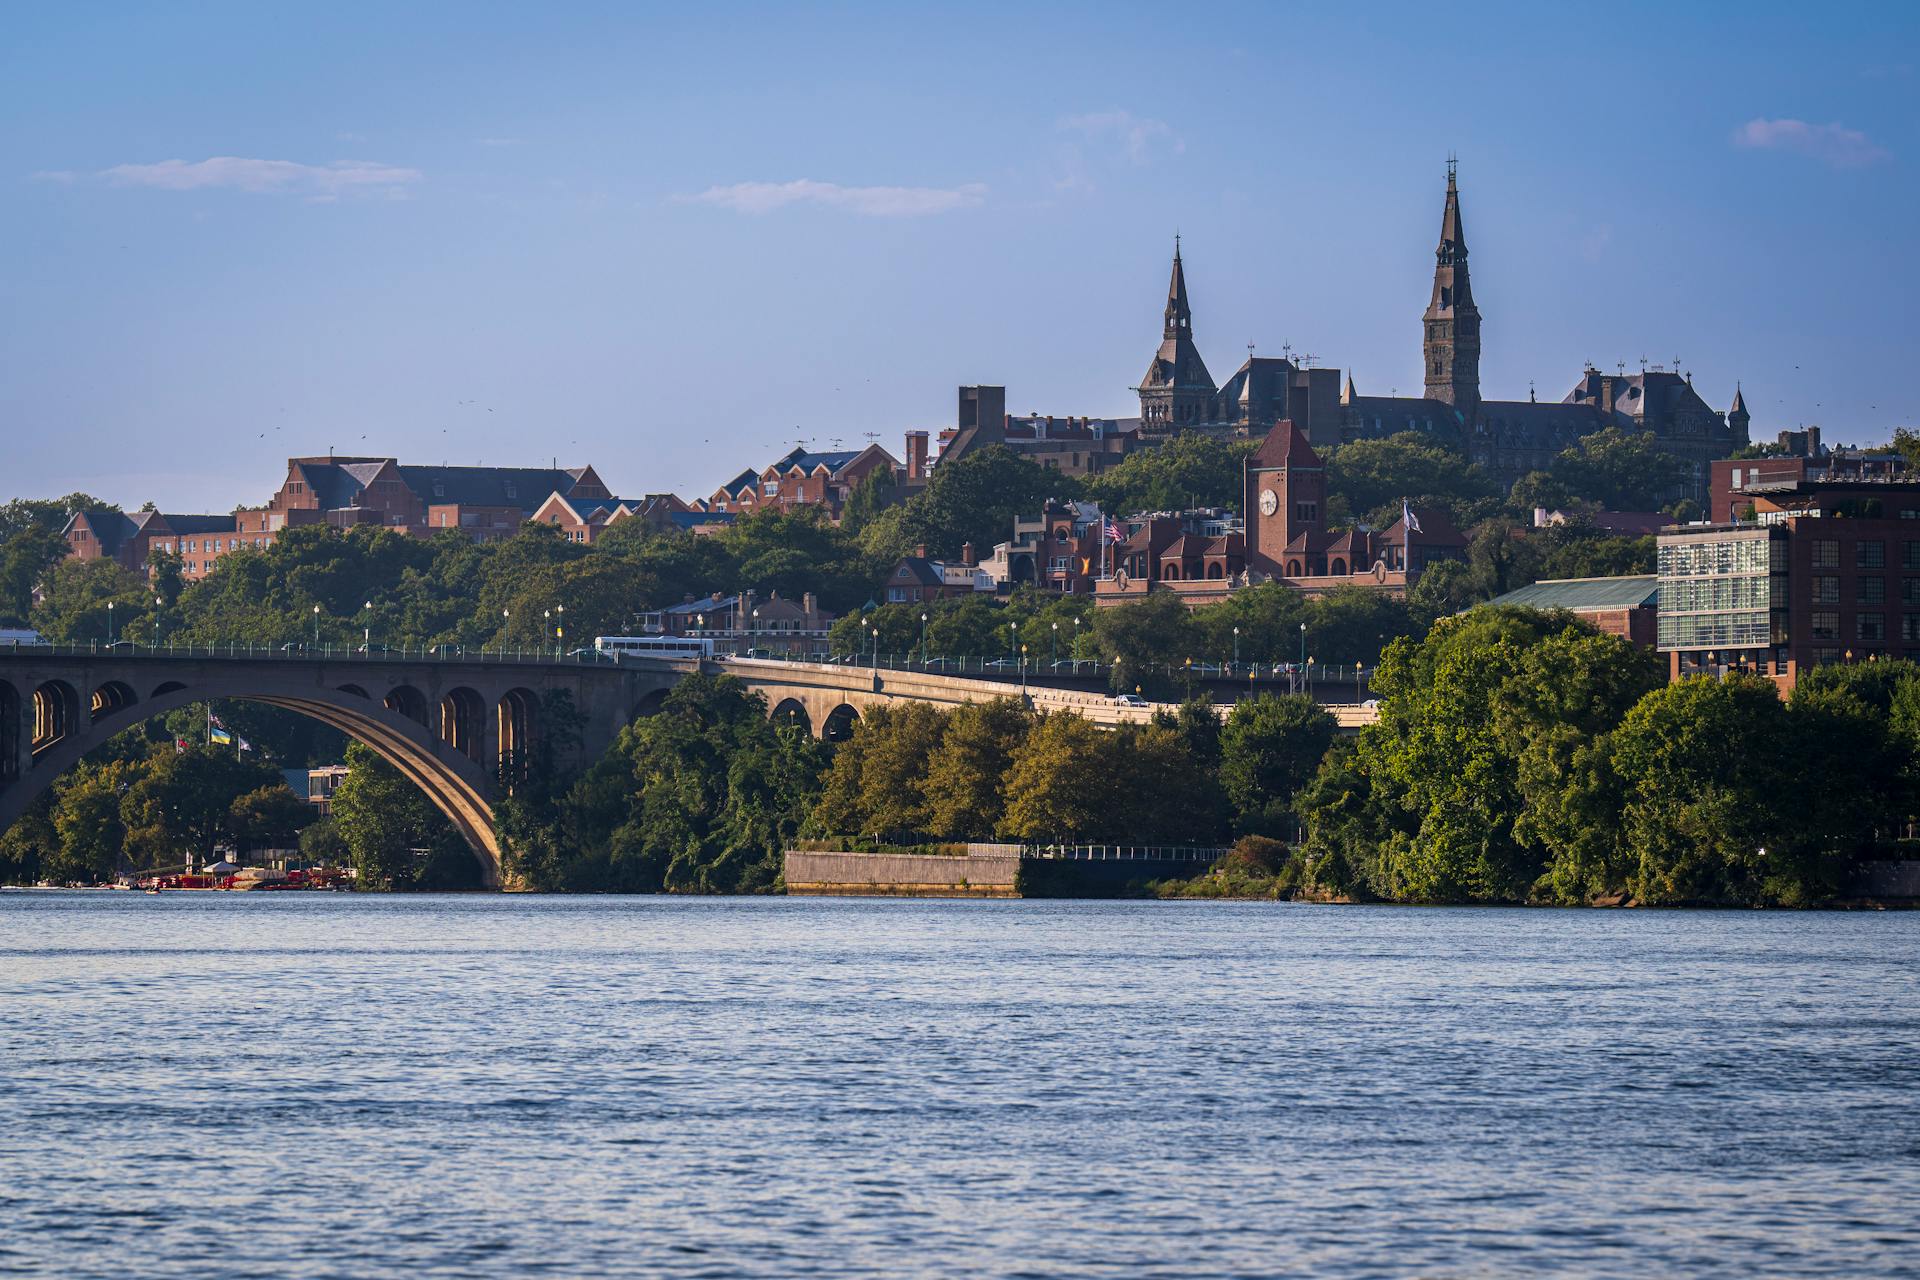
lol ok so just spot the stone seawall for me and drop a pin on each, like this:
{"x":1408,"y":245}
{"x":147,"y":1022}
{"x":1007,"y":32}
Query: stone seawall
{"x":902,"y":875}
{"x":999,"y":874}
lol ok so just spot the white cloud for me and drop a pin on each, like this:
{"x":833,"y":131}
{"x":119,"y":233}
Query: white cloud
{"x":1833,"y":144}
{"x":1139,"y":136}
{"x":321,"y":181}
{"x":873,"y":202}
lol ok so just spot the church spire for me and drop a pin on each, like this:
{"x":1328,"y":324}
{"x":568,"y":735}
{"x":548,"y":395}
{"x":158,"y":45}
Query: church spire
{"x":1346,"y":392}
{"x":1452,"y":322}
{"x":1179,"y":322}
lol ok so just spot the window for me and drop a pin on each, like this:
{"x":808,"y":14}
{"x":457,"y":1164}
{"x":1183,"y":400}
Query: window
{"x":896,"y":595}
{"x":1910,"y":627}
{"x":1826,"y":626}
{"x":1871,"y":591}
{"x":1826,"y":553}
{"x":1873,"y":626}
{"x":1826,"y":590}
{"x":1306,"y":511}
{"x":1910,"y":591}
{"x":1824,"y":657}
{"x":1870,"y":553}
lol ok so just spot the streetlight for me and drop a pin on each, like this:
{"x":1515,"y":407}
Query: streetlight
{"x":316,"y":626}
{"x":876,"y":648}
{"x":560,"y":630}
{"x":110,"y":626}
{"x":1236,"y":646}
{"x":1076,"y":644}
{"x":505,"y":617}
{"x":1023,"y":672}
{"x":366,"y":635}
{"x":1056,"y":648}
{"x":1303,"y":654}
{"x":923,"y":638}
{"x":159,"y":603}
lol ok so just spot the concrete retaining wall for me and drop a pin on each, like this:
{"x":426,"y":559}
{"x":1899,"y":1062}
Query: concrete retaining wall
{"x":901,"y":875}
{"x":1887,"y":880}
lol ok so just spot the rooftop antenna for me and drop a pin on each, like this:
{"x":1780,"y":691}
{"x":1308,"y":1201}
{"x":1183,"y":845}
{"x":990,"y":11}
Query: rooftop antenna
{"x":1643,"y":364}
{"x":1621,"y":365}
{"x":1249,"y":351}
{"x":871,"y":435}
{"x":1531,"y":397}
{"x":1286,"y":349}
{"x":1453,"y":162}
{"x":1307,"y":359}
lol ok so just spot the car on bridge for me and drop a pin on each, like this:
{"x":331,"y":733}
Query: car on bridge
{"x":1129,"y":700}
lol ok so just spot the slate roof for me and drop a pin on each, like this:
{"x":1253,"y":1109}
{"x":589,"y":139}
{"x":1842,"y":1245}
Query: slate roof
{"x":1581,"y":594}
{"x":1285,"y":446}
{"x":487,"y":486}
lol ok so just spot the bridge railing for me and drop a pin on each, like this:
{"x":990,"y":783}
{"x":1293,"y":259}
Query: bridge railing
{"x":1040,"y":668}
{"x":1125,"y":852}
{"x":332,"y":653}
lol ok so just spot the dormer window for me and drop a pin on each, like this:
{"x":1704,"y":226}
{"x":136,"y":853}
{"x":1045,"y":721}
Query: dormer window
{"x":512,"y":490}
{"x":439,"y":490}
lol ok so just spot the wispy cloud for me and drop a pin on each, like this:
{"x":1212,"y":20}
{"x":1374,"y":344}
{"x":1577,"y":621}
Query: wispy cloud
{"x":1139,"y":136}
{"x":872,"y":202}
{"x":1832,"y":144}
{"x":318,"y":181}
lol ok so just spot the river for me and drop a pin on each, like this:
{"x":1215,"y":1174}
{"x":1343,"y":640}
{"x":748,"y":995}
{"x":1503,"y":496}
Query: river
{"x":307,"y":1085}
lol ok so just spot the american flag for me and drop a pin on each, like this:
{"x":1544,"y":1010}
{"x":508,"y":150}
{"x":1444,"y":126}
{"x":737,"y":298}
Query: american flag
{"x":1113,"y":533}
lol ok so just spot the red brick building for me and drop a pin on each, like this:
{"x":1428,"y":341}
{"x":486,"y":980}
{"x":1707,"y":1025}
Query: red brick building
{"x":1625,"y":606}
{"x":132,"y":538}
{"x":805,"y":478}
{"x":484,"y":503}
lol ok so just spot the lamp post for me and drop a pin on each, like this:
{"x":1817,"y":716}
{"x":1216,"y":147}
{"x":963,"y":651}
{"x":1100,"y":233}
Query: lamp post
{"x":1303,"y":653}
{"x":1076,"y":644}
{"x":110,"y":635}
{"x":1023,"y":673}
{"x":158,"y":604}
{"x":366,"y":634}
{"x":316,"y":626}
{"x":1056,"y":648}
{"x":876,"y":648}
{"x":560,"y":630}
{"x":923,"y":638}
{"x":546,"y":624}
{"x":506,"y":617}
{"x":753,"y":630}
{"x":1236,"y":646}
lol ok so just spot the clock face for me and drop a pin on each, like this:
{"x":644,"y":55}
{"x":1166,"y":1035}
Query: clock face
{"x":1269,"y":502}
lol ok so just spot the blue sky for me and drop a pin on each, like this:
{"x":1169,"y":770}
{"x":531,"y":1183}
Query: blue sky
{"x":672,"y":240}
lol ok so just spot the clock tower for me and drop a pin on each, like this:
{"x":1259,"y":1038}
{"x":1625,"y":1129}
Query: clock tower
{"x":1285,"y":496}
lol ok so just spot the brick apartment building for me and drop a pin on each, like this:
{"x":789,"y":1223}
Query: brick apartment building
{"x":804,"y":478}
{"x":132,"y":538}
{"x":1073,"y":446}
{"x":583,"y":520}
{"x":485,"y":503}
{"x":1827,"y":571}
{"x":1804,"y":457}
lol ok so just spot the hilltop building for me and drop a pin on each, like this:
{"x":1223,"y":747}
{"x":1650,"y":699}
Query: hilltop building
{"x":484,"y":503}
{"x":805,"y":478}
{"x":131,"y":538}
{"x":1508,"y":437}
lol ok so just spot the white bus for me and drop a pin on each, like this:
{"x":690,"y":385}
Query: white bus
{"x":654,"y":646}
{"x":11,"y":638}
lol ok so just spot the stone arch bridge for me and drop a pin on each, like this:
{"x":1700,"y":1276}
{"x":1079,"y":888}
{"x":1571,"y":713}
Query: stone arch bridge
{"x":458,"y":726}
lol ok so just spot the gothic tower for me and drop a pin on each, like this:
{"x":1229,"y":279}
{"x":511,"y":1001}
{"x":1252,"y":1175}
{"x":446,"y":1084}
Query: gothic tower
{"x":1285,"y":490}
{"x":1177,"y":392}
{"x":1452,"y":345}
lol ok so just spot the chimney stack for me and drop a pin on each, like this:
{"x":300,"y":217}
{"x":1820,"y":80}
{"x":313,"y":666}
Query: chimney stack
{"x":916,"y":455}
{"x":967,"y":556}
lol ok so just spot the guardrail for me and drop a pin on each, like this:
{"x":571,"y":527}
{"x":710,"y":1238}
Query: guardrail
{"x":1125,"y":852}
{"x":332,"y":653}
{"x":1009,"y":668}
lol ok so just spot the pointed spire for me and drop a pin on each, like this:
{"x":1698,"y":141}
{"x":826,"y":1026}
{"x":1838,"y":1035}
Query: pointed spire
{"x":1347,"y":392}
{"x":1179,"y":314}
{"x":1453,"y":234}
{"x":1739,"y":401}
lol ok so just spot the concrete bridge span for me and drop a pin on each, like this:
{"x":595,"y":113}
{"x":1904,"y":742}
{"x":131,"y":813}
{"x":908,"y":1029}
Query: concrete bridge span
{"x":459,"y":726}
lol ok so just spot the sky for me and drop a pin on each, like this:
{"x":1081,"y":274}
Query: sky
{"x":672,"y":241}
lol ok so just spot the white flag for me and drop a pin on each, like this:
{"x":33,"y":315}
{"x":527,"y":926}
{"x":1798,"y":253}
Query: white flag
{"x":1409,"y":519}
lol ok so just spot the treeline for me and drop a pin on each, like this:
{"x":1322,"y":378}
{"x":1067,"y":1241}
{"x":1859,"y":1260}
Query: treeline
{"x":1523,"y":757}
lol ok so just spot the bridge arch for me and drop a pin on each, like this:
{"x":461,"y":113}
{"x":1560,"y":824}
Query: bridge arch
{"x":455,"y":783}
{"x":56,"y":714}
{"x":405,"y":700}
{"x":838,"y":726}
{"x":792,"y":711}
{"x":515,"y":718}
{"x":9,"y":733}
{"x":462,"y":721}
{"x":114,"y":695}
{"x":651,"y":705}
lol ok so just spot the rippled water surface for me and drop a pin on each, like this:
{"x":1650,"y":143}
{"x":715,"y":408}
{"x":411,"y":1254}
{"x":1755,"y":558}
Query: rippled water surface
{"x":325,"y":1085}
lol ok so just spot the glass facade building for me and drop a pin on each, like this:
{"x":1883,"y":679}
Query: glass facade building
{"x":1723,"y":589}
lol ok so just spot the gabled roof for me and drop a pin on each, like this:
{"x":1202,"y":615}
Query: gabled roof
{"x":486,"y":486}
{"x":1285,"y":446}
{"x":1436,"y":529}
{"x":1580,"y":594}
{"x":922,"y":570}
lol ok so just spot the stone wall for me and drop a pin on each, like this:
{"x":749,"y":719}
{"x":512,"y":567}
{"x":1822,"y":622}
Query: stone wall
{"x":902,"y":875}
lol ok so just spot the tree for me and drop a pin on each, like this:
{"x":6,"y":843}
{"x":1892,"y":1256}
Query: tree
{"x":974,"y":498}
{"x":1375,"y":476}
{"x":869,"y":498}
{"x":1189,"y":470}
{"x":1270,"y":748}
{"x":322,"y":843}
{"x":963,"y":778}
{"x":1141,"y":637}
{"x":1618,"y":470}
{"x":269,"y":817}
{"x":387,"y":823}
{"x":25,"y":559}
{"x":86,"y":818}
{"x":1059,"y":784}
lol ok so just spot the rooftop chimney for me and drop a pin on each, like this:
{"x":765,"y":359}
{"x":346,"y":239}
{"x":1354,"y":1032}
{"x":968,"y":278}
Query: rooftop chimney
{"x":967,"y":556}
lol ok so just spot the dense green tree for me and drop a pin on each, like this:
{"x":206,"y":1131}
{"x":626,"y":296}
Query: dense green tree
{"x":390,"y":828}
{"x":181,"y":803}
{"x":86,"y":818}
{"x":1373,"y":477}
{"x":1141,"y":638}
{"x":1060,"y":783}
{"x":269,"y":817}
{"x":1271,"y":747}
{"x":1189,"y":470}
{"x":322,"y":843}
{"x":1618,"y":470}
{"x":28,"y":845}
{"x":974,"y":498}
{"x":963,"y":779}
{"x":26,"y":557}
